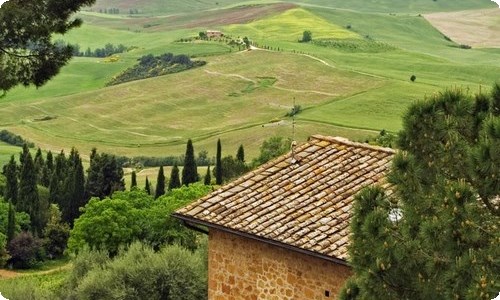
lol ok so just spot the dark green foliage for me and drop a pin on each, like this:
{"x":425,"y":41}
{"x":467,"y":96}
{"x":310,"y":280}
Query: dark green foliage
{"x":28,"y":200}
{"x":272,"y":148}
{"x":105,"y":175}
{"x":160,"y":183}
{"x":107,"y":50}
{"x":218,"y":164}
{"x":39,"y":165}
{"x":413,"y":78}
{"x":190,"y":170}
{"x":207,"y":180}
{"x":47,"y":170}
{"x":152,"y":66}
{"x":14,"y":139}
{"x":431,"y":237}
{"x":28,"y":54}
{"x":240,"y":155}
{"x":56,"y":234}
{"x":133,"y":180}
{"x":11,"y":184}
{"x":175,"y":181}
{"x":75,"y":189}
{"x":141,"y":273}
{"x":147,"y":186}
{"x":232,"y":168}
{"x":11,"y":223}
{"x":306,"y":36}
{"x":25,"y":251}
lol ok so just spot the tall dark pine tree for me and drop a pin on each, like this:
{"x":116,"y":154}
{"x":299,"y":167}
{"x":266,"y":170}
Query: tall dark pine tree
{"x":218,"y":164}
{"x":47,"y":170}
{"x":39,"y":165}
{"x":190,"y":171}
{"x":207,"y":178}
{"x":11,"y":187}
{"x":160,"y":183}
{"x":133,"y":180}
{"x":435,"y":234}
{"x":28,"y":200}
{"x":147,"y":186}
{"x":240,"y":155}
{"x":105,"y":176}
{"x":174,"y":181}
{"x":75,"y":189}
{"x":11,"y":222}
{"x":57,"y":180}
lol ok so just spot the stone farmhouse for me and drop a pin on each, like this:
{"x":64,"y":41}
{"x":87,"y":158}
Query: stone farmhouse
{"x":282,"y":230}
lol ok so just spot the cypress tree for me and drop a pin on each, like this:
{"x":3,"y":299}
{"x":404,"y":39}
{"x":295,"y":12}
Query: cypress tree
{"x":218,"y":164}
{"x":160,"y":183}
{"x":174,"y":181}
{"x":47,"y":170}
{"x":147,"y":187}
{"x":76,"y":189}
{"x":190,"y":171}
{"x":240,"y":155}
{"x":39,"y":165}
{"x":11,"y":187}
{"x":57,"y":187}
{"x":28,"y":200}
{"x":133,"y":180}
{"x":208,"y":178}
{"x":11,"y":223}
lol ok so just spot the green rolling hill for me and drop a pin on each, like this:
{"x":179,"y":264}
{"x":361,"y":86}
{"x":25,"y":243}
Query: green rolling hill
{"x":353,"y":80}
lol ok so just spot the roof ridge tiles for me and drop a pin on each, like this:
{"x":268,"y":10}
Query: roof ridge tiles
{"x":345,"y":141}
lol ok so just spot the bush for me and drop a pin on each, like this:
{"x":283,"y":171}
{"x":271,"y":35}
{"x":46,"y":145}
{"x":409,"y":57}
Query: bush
{"x":140,"y":273}
{"x":25,"y":251}
{"x":413,"y":78}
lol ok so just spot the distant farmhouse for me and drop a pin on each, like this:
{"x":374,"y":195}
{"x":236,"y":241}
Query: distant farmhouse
{"x":214,"y":34}
{"x":282,"y":231}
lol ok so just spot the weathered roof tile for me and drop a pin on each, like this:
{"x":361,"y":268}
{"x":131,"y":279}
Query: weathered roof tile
{"x":307,"y":203}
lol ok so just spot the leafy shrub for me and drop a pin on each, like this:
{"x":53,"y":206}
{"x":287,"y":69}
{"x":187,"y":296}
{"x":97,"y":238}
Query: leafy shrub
{"x":140,"y":273}
{"x":413,"y":78}
{"x":25,"y":251}
{"x":129,"y":216}
{"x":296,"y":109}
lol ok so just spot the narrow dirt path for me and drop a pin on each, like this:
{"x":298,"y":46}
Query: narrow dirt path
{"x":6,"y":274}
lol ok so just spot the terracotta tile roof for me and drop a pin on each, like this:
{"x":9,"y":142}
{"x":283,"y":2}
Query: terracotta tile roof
{"x":303,"y":201}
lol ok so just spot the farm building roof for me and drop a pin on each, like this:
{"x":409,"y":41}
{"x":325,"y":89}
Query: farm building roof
{"x":301,"y":200}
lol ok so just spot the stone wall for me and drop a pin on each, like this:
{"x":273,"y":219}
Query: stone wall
{"x":242,"y":268}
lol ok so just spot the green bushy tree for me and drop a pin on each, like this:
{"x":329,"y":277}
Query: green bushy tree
{"x":174,"y":181}
{"x":435,"y":234}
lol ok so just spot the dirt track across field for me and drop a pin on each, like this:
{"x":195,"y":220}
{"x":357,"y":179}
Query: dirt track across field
{"x":476,"y":28}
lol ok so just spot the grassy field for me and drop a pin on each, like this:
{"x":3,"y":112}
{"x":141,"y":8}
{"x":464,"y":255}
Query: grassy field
{"x":240,"y":96}
{"x":6,"y":151}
